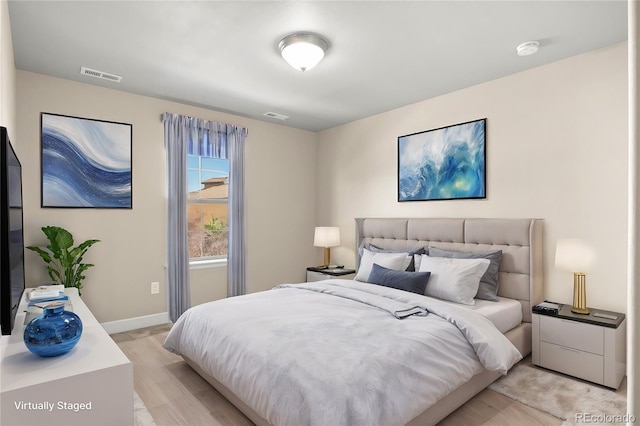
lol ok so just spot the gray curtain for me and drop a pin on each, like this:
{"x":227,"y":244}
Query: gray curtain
{"x":188,"y":135}
{"x":236,"y":261}
{"x":176,"y":142}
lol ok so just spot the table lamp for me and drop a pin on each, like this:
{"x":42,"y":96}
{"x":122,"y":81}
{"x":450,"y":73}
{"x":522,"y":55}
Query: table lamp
{"x":327,"y":236}
{"x":576,"y":256}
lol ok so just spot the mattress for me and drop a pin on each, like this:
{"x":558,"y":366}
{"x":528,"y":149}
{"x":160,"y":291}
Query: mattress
{"x":505,"y":314}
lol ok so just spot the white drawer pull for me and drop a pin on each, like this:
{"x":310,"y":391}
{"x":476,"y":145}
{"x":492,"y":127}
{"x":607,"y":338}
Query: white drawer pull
{"x":570,"y":349}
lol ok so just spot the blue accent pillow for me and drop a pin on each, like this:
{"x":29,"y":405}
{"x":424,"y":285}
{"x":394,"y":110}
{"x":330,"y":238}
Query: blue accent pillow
{"x":415,"y":282}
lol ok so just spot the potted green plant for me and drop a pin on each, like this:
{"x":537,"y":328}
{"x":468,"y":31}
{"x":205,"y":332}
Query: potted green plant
{"x":64,"y":261}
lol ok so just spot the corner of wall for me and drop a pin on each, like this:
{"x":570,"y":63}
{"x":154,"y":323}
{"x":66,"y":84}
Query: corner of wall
{"x":7,"y":72}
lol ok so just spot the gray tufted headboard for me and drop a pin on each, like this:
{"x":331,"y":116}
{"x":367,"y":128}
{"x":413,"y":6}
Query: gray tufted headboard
{"x":520,"y":240}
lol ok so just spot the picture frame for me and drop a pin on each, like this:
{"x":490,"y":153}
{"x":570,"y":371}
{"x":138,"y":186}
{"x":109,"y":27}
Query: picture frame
{"x":85,"y":162}
{"x":447,"y":163}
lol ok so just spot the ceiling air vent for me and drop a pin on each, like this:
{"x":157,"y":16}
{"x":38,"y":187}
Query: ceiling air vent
{"x":276,"y":115}
{"x":100,"y":74}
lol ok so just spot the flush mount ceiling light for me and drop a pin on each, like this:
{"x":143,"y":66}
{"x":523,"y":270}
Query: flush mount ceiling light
{"x":303,"y":51}
{"x":527,"y":48}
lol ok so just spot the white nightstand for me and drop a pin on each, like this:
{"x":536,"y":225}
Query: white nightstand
{"x":315,"y":274}
{"x":585,"y":346}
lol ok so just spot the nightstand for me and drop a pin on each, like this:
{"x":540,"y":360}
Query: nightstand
{"x":589,"y":347}
{"x":316,"y":274}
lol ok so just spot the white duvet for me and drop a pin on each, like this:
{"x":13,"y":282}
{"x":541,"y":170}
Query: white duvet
{"x":333,"y":353}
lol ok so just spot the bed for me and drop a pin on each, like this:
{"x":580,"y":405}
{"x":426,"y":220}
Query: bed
{"x":280,"y":356}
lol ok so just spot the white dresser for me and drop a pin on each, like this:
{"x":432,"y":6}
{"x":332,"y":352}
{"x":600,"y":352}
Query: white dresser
{"x":585,"y":346}
{"x":90,"y":385}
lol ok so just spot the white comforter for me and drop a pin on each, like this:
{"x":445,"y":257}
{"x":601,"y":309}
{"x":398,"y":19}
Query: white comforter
{"x":333,"y":353}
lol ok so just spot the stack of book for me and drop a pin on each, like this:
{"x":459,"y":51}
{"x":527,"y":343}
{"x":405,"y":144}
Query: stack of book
{"x":547,"y":307}
{"x":40,"y":297}
{"x":46,"y":293}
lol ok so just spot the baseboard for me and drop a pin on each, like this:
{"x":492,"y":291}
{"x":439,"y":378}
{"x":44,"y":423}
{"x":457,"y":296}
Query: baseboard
{"x":120,"y":326}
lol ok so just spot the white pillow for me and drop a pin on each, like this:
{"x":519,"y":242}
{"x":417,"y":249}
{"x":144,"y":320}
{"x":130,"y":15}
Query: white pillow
{"x":397,"y":261}
{"x":453,"y":279}
{"x":417,"y":258}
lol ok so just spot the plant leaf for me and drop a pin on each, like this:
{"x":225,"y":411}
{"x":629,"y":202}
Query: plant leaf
{"x":60,"y":236}
{"x":82,"y":248}
{"x":43,"y":254}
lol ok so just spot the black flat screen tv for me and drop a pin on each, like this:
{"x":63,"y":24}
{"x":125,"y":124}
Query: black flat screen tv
{"x":11,"y":234}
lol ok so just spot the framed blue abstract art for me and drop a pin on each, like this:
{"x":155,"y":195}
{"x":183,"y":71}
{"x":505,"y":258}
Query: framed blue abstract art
{"x":86,"y":163}
{"x":443,"y":164}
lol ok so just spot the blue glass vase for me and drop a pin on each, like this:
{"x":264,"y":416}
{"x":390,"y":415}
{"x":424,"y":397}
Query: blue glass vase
{"x":53,"y":333}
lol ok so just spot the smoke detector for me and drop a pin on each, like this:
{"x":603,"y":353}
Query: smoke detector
{"x":527,"y":48}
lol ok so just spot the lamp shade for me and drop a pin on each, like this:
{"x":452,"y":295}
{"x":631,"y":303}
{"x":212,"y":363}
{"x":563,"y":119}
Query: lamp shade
{"x":574,"y":255}
{"x":327,"y":236}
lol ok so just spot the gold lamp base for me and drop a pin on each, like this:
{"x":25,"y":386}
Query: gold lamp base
{"x":580,"y":294}
{"x":327,"y":258}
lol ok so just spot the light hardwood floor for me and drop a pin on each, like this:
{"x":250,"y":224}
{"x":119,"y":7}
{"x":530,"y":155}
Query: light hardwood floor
{"x":175,"y":395}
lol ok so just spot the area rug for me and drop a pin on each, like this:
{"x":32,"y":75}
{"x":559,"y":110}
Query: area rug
{"x":569,"y":399}
{"x":141,"y":415}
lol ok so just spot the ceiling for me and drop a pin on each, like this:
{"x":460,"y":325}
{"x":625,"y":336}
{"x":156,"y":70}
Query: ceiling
{"x":223,"y":55}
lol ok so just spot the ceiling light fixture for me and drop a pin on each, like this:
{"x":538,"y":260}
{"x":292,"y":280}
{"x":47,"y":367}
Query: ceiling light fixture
{"x":527,"y":48}
{"x":303,"y":51}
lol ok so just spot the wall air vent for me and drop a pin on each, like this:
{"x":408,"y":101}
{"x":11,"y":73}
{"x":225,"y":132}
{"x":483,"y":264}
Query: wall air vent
{"x":100,"y":74}
{"x":276,"y":115}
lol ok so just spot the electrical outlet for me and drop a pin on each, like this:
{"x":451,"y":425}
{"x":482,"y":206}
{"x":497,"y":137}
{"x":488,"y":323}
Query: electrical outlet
{"x":155,"y":287}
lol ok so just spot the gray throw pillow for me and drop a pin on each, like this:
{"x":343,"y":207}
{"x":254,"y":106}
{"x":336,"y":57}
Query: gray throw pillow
{"x":488,"y":289}
{"x":409,"y":251}
{"x":415,"y":282}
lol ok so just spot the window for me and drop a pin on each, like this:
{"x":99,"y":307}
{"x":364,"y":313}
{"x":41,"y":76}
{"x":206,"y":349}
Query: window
{"x":207,"y":211}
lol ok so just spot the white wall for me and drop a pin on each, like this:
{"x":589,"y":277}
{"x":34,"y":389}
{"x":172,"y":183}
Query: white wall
{"x":556,"y":149}
{"x":7,"y":74}
{"x":280,"y":182}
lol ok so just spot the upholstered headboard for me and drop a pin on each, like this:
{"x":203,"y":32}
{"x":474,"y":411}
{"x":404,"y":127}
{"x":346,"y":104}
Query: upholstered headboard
{"x":520,"y":240}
